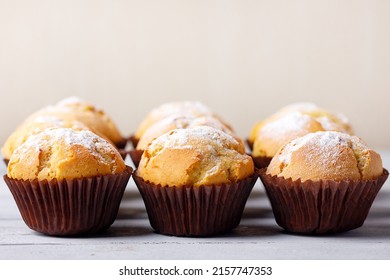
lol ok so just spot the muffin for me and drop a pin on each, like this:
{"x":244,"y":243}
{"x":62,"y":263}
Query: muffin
{"x":291,"y":122}
{"x":75,"y":109}
{"x":172,"y":109}
{"x":323,"y":182}
{"x":169,"y":123}
{"x":35,"y":126}
{"x":329,"y":120}
{"x":67,"y":182}
{"x":195,"y":181}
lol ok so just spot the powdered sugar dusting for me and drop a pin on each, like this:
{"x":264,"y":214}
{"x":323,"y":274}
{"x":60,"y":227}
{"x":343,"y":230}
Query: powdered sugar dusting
{"x":324,"y":144}
{"x":212,"y":122}
{"x":178,"y":122}
{"x":184,"y":137}
{"x":326,"y":123}
{"x":50,"y":121}
{"x":69,"y":137}
{"x":46,"y":119}
{"x":336,"y":121}
{"x":291,"y":123}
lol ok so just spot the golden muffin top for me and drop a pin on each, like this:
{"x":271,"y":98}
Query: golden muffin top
{"x":75,"y":109}
{"x":291,"y":122}
{"x":34,"y":126}
{"x":195,"y":156}
{"x":169,"y":123}
{"x":326,"y":155}
{"x":174,"y":109}
{"x":63,"y":153}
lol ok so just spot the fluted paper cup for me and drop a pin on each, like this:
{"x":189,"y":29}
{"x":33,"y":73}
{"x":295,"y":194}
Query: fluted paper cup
{"x":195,"y":211}
{"x":321,"y":207}
{"x":69,"y":207}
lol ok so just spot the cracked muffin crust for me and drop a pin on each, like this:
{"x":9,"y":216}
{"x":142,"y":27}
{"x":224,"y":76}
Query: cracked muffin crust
{"x":291,"y":122}
{"x":326,"y":155}
{"x":35,"y":126}
{"x":191,"y":109}
{"x":195,"y":156}
{"x":76,"y":109}
{"x":63,"y":153}
{"x":195,"y":181}
{"x":167,"y":124}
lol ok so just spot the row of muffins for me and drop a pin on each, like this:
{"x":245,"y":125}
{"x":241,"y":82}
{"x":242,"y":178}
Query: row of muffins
{"x":45,"y":157}
{"x":194,"y":175}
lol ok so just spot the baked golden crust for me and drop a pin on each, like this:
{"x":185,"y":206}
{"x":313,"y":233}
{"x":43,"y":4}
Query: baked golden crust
{"x":63,"y":153}
{"x":326,"y":156}
{"x":75,"y":109}
{"x":35,"y":126}
{"x":275,"y":133}
{"x":291,"y":108}
{"x":293,"y":121}
{"x":195,"y":156}
{"x":169,"y":123}
{"x":191,"y":109}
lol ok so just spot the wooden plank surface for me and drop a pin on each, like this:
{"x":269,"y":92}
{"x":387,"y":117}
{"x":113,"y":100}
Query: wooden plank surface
{"x":257,"y":237}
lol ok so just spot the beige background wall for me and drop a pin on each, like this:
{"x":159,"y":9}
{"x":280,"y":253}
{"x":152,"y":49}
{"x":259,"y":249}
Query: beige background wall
{"x":245,"y":59}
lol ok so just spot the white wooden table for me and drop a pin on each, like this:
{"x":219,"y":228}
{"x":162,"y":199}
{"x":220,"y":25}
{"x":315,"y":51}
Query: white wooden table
{"x":257,"y":237}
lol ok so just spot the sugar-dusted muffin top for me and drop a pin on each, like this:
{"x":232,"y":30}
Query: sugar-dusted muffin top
{"x":63,"y":153}
{"x":275,"y":133}
{"x":329,"y":121}
{"x":35,"y":126}
{"x":175,"y":109}
{"x":326,"y":155}
{"x":195,"y":156}
{"x":76,"y":109}
{"x":169,"y":123}
{"x":294,"y":121}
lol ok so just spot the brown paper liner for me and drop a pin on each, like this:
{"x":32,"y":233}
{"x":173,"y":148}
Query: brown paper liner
{"x":69,"y":207}
{"x":123,"y":153}
{"x":261,"y":162}
{"x":195,"y":211}
{"x":134,"y":141}
{"x":323,"y":206}
{"x":121,"y":144}
{"x":136,"y":156}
